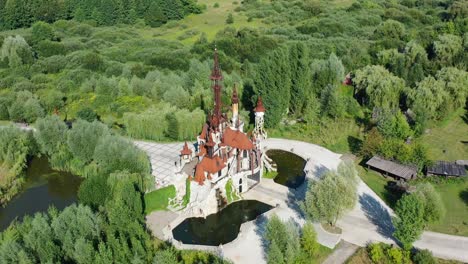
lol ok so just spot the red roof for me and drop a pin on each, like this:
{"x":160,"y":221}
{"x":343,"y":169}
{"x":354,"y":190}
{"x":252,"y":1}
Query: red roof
{"x":235,"y":98}
{"x":260,"y":107}
{"x":209,"y":165}
{"x":237,"y":139}
{"x":185,"y":150}
{"x":204,"y":131}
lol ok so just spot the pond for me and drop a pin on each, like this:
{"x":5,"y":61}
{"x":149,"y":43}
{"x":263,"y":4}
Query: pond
{"x":220,"y":228}
{"x":290,"y":168}
{"x":44,"y":187}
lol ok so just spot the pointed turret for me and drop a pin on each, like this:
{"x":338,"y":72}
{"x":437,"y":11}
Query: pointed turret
{"x":259,"y":108}
{"x":216,"y":78}
{"x":235,"y":108}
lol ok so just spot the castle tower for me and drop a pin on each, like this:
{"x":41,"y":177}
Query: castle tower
{"x":216,"y":78}
{"x":235,"y":108}
{"x":185,"y":154}
{"x":259,"y":119}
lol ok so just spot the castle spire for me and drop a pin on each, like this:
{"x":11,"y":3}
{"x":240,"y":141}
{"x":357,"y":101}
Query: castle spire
{"x":216,"y":77}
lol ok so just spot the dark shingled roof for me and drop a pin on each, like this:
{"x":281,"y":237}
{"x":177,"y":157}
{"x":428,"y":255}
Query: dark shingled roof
{"x":446,"y":168}
{"x":397,"y":169}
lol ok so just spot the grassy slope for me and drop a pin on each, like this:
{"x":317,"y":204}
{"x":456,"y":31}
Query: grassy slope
{"x":158,"y":200}
{"x":361,"y":257}
{"x":209,"y":22}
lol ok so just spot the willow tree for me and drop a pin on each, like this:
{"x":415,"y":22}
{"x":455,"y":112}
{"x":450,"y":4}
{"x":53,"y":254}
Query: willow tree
{"x":380,"y":88}
{"x":428,"y":97}
{"x":330,"y":197}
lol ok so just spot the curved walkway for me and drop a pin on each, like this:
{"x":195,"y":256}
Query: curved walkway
{"x":369,"y":221}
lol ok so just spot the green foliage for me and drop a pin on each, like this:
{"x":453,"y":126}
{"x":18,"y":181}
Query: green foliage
{"x":273,"y":83}
{"x":424,"y":257}
{"x":434,"y":209}
{"x":15,"y":147}
{"x":382,"y":253}
{"x":83,"y":138}
{"x":41,"y":31}
{"x":327,"y":199}
{"x":94,"y":191}
{"x":391,"y":124}
{"x":51,"y":133}
{"x":17,"y":51}
{"x":379,"y":87}
{"x":309,"y":239}
{"x":87,"y":114}
{"x":231,"y":193}
{"x":115,"y":153}
{"x":409,"y":223}
{"x":376,"y":252}
{"x":230,"y":19}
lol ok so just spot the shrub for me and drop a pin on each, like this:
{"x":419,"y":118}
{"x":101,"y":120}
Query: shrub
{"x":216,"y":5}
{"x":424,"y":257}
{"x":83,"y":138}
{"x":376,"y":252}
{"x":87,"y":114}
{"x":230,"y":19}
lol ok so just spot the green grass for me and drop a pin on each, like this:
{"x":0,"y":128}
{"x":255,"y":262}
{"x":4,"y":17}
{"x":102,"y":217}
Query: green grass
{"x":209,"y":22}
{"x":454,"y":194}
{"x":338,"y":135}
{"x":187,"y":192}
{"x":322,"y":254}
{"x":159,"y":199}
{"x":377,"y":183}
{"x":270,"y":174}
{"x":230,"y":192}
{"x":448,"y":136}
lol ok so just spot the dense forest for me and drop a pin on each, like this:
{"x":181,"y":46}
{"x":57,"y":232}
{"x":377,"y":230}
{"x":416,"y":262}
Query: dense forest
{"x":88,"y":75}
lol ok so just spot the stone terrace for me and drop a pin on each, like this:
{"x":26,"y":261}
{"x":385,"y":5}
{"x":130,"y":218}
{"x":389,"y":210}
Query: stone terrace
{"x":162,"y":158}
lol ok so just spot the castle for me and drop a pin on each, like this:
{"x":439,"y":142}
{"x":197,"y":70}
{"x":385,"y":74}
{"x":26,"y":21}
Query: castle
{"x":223,"y":151}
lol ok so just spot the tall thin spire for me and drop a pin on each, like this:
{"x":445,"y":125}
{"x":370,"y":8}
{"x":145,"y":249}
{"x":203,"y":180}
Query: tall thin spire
{"x":216,"y":77}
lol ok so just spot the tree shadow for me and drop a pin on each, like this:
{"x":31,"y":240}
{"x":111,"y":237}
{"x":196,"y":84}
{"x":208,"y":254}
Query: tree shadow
{"x":354,"y":144}
{"x":378,"y":215}
{"x":297,"y":196}
{"x":260,"y":230}
{"x":464,"y":196}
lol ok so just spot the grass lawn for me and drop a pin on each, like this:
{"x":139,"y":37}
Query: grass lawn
{"x":270,"y":174}
{"x":323,"y":253}
{"x":448,"y":136}
{"x":455,"y":197}
{"x":338,"y":135}
{"x":454,"y":194}
{"x":159,"y":199}
{"x":377,"y":183}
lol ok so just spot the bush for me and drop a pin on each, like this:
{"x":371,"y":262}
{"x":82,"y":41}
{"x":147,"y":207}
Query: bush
{"x":87,"y":114}
{"x":216,"y":5}
{"x":424,"y":257}
{"x":376,"y":252}
{"x":83,"y":138}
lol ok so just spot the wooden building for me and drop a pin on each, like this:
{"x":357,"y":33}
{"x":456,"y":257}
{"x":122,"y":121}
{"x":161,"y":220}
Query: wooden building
{"x":391,"y":168}
{"x":446,"y":168}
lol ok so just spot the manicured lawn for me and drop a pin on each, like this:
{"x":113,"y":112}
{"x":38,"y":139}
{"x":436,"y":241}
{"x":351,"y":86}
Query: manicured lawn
{"x":158,"y":200}
{"x":455,"y":197}
{"x":448,"y":135}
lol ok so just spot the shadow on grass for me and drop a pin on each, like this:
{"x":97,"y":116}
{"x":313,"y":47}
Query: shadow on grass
{"x":464,"y":196}
{"x":354,"y":144}
{"x":378,"y":215}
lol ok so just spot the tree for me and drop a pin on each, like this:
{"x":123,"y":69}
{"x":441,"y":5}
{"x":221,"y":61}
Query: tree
{"x":155,"y":16}
{"x":41,"y":31}
{"x":326,"y":72}
{"x":332,"y":103}
{"x":172,"y":126}
{"x":456,"y":83}
{"x":309,"y":239}
{"x":328,"y":198}
{"x":17,"y":51}
{"x":275,"y":256}
{"x":94,"y":191}
{"x":300,"y":78}
{"x":371,"y":144}
{"x":230,"y":19}
{"x":50,"y":133}
{"x":83,"y":138}
{"x":391,"y":124}
{"x":409,"y":222}
{"x":434,"y":209}
{"x":379,"y":87}
{"x":447,"y":47}
{"x":273,"y":84}
{"x":429,"y":99}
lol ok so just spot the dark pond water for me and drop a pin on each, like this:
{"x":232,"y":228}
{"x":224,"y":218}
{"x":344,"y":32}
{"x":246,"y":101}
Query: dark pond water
{"x":290,"y":168}
{"x":219,"y":228}
{"x":44,"y":187}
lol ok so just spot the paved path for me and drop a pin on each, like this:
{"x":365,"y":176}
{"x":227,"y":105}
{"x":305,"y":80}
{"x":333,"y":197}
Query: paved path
{"x":369,"y":221}
{"x":343,"y":251}
{"x":162,"y":158}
